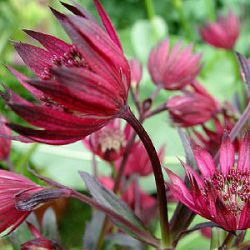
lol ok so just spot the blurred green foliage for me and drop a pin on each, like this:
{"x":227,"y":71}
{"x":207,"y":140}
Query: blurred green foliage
{"x":140,"y":24}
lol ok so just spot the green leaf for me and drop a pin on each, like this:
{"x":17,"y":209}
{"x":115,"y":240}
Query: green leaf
{"x":109,"y":199}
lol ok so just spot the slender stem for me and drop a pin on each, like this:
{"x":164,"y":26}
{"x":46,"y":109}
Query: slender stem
{"x":94,"y":165}
{"x":150,"y":9}
{"x":123,"y":163}
{"x":178,"y":5}
{"x":157,"y":170}
{"x":157,"y":111}
{"x":118,"y":179}
{"x":10,"y":165}
{"x":227,"y":241}
{"x":144,"y":235}
{"x":102,"y":234}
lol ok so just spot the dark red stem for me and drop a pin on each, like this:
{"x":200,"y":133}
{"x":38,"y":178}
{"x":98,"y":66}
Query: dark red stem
{"x":127,"y":115}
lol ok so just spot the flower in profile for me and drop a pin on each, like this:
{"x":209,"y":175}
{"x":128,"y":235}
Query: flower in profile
{"x":109,"y":142}
{"x":138,"y":162}
{"x":223,"y":33}
{"x":175,"y":68}
{"x":5,"y":143}
{"x":81,"y":86}
{"x":220,"y":195}
{"x":192,"y":108}
{"x":18,"y":197}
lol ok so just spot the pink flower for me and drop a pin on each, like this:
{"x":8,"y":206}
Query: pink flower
{"x":136,"y":71}
{"x":109,"y":142}
{"x":223,"y":33}
{"x":220,"y":195}
{"x":138,"y":162}
{"x":12,"y":188}
{"x":192,"y":108}
{"x":19,"y":197}
{"x":5,"y":143}
{"x":175,"y":68}
{"x":81,"y":86}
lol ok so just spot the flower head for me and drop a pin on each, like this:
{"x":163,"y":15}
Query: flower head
{"x":138,"y":162}
{"x":12,"y":188}
{"x":5,"y":143}
{"x":80,"y":86}
{"x":223,"y":33}
{"x":19,"y":197}
{"x":175,"y":68}
{"x":220,"y":195}
{"x":109,"y":142}
{"x":192,"y":108}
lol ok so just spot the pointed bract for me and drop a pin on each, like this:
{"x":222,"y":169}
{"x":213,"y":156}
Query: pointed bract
{"x":220,"y":195}
{"x":81,"y":86}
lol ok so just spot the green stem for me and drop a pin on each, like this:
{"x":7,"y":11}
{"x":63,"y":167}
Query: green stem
{"x":178,"y":5}
{"x":149,"y":5}
{"x":211,"y":10}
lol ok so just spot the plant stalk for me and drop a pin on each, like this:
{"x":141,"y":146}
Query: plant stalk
{"x":157,"y":170}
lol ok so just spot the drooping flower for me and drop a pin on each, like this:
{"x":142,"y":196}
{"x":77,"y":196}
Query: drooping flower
{"x":175,"y":68}
{"x":109,"y":142}
{"x":18,"y":197}
{"x":140,"y":202}
{"x":138,"y":162}
{"x":5,"y":143}
{"x":81,"y":86}
{"x":223,"y":33}
{"x":222,"y":194}
{"x":192,"y":108}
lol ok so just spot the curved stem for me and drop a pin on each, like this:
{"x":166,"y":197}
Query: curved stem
{"x":157,"y":170}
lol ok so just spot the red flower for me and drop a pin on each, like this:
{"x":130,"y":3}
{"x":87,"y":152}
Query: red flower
{"x":39,"y":242}
{"x":173,"y":69}
{"x":211,"y":139}
{"x":220,"y":195}
{"x":5,"y":143}
{"x":12,"y":188}
{"x":138,"y":162}
{"x":223,"y":33}
{"x":109,"y":142}
{"x":192,"y":108}
{"x":82,"y":86}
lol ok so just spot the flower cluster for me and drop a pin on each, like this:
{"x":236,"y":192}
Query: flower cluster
{"x":80,"y":92}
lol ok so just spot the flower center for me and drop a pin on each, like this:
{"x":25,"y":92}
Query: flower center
{"x":111,"y":140}
{"x":233,"y":189}
{"x":71,"y":58}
